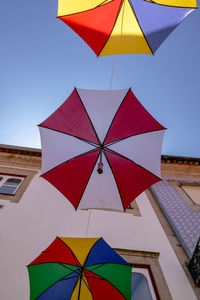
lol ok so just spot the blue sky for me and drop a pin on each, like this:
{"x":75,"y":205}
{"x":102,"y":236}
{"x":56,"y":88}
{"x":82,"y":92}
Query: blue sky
{"x":42,"y":60}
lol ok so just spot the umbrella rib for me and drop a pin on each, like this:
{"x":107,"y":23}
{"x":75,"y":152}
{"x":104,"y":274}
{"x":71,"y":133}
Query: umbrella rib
{"x":87,"y":285}
{"x":65,"y":278}
{"x":79,"y":12}
{"x":85,"y":263}
{"x":115,"y":116}
{"x":81,"y":277}
{"x":82,"y":139}
{"x":141,"y":28}
{"x":97,"y":278}
{"x":101,"y":278}
{"x":79,"y":290}
{"x":96,"y":267}
{"x":88,"y":117}
{"x":74,"y":256}
{"x":82,"y":154}
{"x":69,"y":268}
{"x":112,"y":28}
{"x":118,"y":154}
{"x":192,"y":7}
{"x":102,"y":264}
{"x":117,"y":141}
{"x":53,"y":284}
{"x":88,"y":180}
{"x":102,"y":3}
{"x":115,"y":179}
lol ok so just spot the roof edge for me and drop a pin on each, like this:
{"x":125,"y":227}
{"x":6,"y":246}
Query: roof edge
{"x":168,"y":159}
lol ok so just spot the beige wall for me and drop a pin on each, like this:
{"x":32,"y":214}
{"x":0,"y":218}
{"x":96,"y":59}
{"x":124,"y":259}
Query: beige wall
{"x":43,"y":213}
{"x":29,"y":226}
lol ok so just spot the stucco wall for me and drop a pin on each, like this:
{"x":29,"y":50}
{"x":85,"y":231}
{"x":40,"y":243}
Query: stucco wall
{"x":43,"y":213}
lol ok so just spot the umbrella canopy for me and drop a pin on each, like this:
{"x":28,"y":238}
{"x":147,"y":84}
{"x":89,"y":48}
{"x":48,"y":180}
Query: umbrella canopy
{"x":79,"y":269}
{"x":101,"y":148}
{"x":124,"y":26}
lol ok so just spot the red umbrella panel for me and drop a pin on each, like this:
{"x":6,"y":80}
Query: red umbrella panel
{"x":101,"y":148}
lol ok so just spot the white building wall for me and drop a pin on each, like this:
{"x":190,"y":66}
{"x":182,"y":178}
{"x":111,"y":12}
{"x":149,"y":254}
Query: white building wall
{"x":28,"y":227}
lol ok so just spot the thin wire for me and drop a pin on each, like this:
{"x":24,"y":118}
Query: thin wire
{"x":88,"y":222}
{"x":113,"y":67}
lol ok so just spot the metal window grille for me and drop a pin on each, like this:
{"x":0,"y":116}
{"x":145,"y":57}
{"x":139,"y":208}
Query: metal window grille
{"x":194,"y":265}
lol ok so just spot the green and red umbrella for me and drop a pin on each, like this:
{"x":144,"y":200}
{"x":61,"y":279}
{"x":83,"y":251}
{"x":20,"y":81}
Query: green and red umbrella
{"x":79,"y":269}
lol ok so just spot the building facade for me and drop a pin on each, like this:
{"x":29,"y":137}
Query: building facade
{"x":157,"y":234}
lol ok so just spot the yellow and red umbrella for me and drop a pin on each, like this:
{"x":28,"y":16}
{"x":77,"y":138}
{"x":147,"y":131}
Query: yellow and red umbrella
{"x":79,"y":269}
{"x":124,"y":26}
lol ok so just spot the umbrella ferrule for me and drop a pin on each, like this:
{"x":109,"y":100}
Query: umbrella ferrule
{"x":100,"y":164}
{"x":100,"y":168}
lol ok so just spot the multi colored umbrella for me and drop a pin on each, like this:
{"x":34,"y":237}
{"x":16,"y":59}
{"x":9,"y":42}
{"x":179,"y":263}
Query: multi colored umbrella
{"x":124,"y":26}
{"x":79,"y":269}
{"x":101,"y":148}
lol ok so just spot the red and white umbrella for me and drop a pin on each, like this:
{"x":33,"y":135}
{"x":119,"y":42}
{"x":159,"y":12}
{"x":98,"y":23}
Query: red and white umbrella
{"x":101,"y":148}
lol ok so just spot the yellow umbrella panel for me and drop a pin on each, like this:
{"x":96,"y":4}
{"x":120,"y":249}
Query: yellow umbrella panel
{"x":124,"y":26}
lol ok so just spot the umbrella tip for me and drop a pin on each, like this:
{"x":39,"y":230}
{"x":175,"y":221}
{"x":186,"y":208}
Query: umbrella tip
{"x":100,"y":168}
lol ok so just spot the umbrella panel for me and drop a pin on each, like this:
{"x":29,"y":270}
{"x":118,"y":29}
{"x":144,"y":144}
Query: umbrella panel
{"x":143,"y":149}
{"x":117,"y":27}
{"x":131,"y":179}
{"x":158,"y":21}
{"x":61,"y":290}
{"x":101,"y":190}
{"x":101,"y":289}
{"x":43,"y":276}
{"x":71,"y":177}
{"x":50,"y":280}
{"x":75,"y":175}
{"x":101,"y":105}
{"x":102,"y":253}
{"x":81,"y":247}
{"x":54,"y":144}
{"x":179,"y":3}
{"x":116,"y":275}
{"x":77,"y":6}
{"x":71,"y":118}
{"x":57,"y":252}
{"x":131,"y":119}
{"x":94,"y":26}
{"x":126,"y":36}
{"x":82,"y":290}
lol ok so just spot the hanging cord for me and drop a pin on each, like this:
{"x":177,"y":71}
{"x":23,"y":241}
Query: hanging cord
{"x":100,"y":164}
{"x":88,"y":222}
{"x":113,"y":68}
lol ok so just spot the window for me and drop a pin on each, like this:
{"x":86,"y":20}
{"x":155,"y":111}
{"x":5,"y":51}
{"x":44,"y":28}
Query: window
{"x":10,"y":184}
{"x":189,"y":190}
{"x":141,"y":285}
{"x":146,"y":272}
{"x":14,"y":182}
{"x":192,"y":191}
